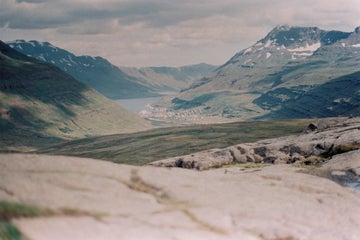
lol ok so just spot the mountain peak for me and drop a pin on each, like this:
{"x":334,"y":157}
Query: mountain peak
{"x":288,"y":35}
{"x":357,"y":30}
{"x":280,"y":28}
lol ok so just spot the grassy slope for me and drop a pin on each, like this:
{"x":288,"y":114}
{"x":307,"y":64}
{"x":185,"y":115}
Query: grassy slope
{"x":144,"y":147}
{"x":41,"y":104}
{"x":340,"y":96}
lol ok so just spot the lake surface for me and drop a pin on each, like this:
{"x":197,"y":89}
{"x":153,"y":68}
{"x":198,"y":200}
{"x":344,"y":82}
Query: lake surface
{"x":136,"y":104}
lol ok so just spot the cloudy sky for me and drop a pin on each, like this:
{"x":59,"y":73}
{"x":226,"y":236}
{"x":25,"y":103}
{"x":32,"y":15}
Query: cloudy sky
{"x":165,"y":32}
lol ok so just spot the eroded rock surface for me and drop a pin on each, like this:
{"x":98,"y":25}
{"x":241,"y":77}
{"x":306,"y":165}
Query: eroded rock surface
{"x":127,"y":202}
{"x":344,"y":169}
{"x":319,"y":141}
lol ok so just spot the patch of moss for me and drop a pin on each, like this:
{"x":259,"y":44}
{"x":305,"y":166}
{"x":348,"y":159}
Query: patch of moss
{"x":10,"y":210}
{"x":138,"y":184}
{"x":9,"y":232}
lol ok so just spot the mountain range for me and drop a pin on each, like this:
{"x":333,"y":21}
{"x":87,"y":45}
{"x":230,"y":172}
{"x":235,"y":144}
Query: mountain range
{"x":169,"y":80}
{"x":293,"y":72}
{"x":40,"y":103}
{"x":112,"y":81}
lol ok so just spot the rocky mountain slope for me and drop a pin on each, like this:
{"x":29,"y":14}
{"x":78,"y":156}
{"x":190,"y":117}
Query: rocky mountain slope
{"x":290,"y":62}
{"x":41,"y":102}
{"x":96,"y":72}
{"x":247,"y":200}
{"x":112,"y":81}
{"x":339,"y":95}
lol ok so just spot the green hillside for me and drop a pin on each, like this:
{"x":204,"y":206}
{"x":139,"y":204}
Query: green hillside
{"x":144,"y":147}
{"x":340,"y":95}
{"x":40,"y":104}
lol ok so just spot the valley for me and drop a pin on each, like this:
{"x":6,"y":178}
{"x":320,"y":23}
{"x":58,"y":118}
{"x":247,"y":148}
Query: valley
{"x":265,"y":81}
{"x":263,"y":147}
{"x":144,"y":147}
{"x":292,"y":73}
{"x":115,"y":82}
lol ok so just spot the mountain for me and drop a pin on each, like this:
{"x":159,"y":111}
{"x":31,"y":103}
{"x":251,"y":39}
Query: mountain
{"x":281,"y":67}
{"x":169,"y":79}
{"x":112,"y":81}
{"x":340,"y":96}
{"x":40,"y":102}
{"x":96,"y":72}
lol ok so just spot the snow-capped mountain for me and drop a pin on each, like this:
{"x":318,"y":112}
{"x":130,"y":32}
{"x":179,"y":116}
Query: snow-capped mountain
{"x":279,"y":68}
{"x":287,"y":43}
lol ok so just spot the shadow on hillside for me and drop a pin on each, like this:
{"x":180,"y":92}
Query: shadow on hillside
{"x":35,"y":80}
{"x":31,"y":92}
{"x":338,"y":97}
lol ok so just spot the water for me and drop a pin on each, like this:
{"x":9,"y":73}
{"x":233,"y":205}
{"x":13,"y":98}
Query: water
{"x":137,"y":104}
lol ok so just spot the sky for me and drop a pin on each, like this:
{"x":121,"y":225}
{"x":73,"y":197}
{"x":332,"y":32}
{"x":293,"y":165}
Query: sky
{"x":165,"y":32}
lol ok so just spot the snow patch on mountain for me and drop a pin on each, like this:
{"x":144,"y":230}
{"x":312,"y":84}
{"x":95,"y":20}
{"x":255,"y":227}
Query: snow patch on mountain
{"x":248,"y":50}
{"x":340,"y":100}
{"x":71,"y":60}
{"x":308,"y":48}
{"x":42,"y":58}
{"x":268,"y":43}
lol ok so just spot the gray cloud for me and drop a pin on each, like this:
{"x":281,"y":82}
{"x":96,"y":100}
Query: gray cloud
{"x":161,"y":32}
{"x":154,"y":13}
{"x":30,"y":1}
{"x":28,"y":14}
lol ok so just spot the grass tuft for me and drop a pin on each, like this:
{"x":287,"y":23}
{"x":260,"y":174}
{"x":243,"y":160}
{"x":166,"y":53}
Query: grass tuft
{"x":9,"y":232}
{"x":10,"y":210}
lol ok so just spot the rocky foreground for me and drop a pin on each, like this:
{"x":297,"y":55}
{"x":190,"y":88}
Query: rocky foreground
{"x":318,"y":142}
{"x":253,"y":200}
